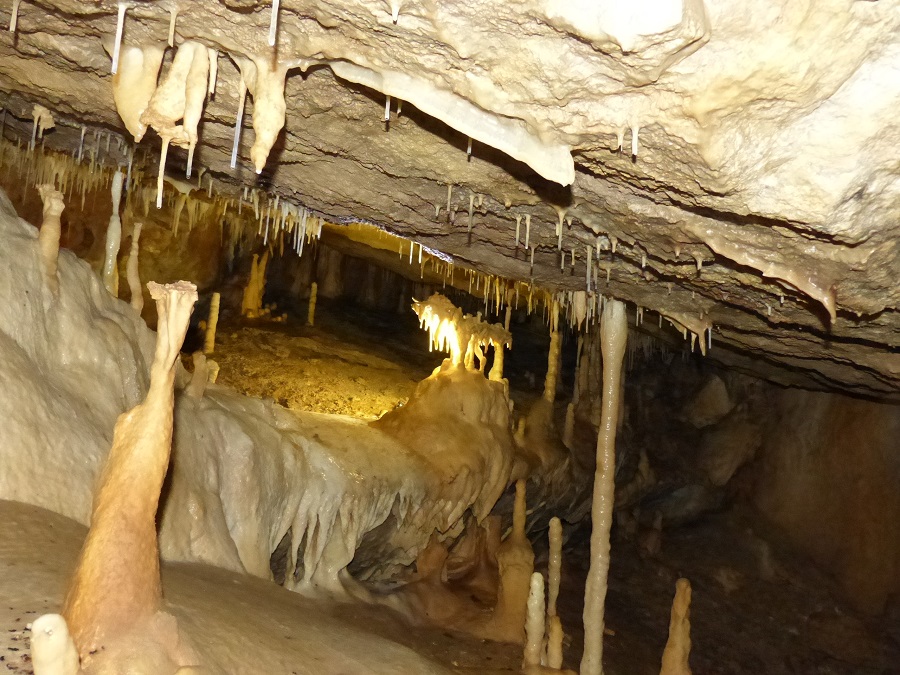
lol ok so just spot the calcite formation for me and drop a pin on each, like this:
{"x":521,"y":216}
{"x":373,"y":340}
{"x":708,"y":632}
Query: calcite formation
{"x":730,"y":168}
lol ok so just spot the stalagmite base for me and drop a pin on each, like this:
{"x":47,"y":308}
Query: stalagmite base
{"x":613,"y":334}
{"x":115,"y":592}
{"x":678,"y":647}
{"x":516,"y":562}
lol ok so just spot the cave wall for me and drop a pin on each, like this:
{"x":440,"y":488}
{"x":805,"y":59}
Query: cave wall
{"x":828,"y":476}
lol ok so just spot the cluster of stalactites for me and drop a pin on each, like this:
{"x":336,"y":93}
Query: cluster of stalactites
{"x":465,"y":337}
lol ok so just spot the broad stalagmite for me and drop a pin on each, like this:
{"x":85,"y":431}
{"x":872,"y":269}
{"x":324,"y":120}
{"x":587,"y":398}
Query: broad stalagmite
{"x":116,"y":585}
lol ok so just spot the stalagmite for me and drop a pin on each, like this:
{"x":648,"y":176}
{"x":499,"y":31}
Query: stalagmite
{"x":554,"y":565}
{"x":120,"y":25}
{"x":133,"y":85}
{"x":115,"y":593}
{"x":497,"y":368}
{"x":52,"y":649}
{"x":209,"y":341}
{"x":200,"y":377}
{"x":311,"y":311}
{"x":48,"y":237}
{"x":553,"y":354}
{"x":534,"y":623}
{"x":554,"y":643}
{"x":569,"y":428}
{"x":613,"y":334}
{"x":678,"y":647}
{"x":516,"y":562}
{"x":113,"y":238}
{"x":131,"y":270}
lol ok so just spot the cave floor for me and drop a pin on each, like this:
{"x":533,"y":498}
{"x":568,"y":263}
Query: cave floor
{"x":756,"y":608}
{"x":352,"y":362}
{"x":740,"y":623}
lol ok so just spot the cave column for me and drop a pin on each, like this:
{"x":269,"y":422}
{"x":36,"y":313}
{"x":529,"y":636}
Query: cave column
{"x":613,"y":334}
{"x":553,"y":355}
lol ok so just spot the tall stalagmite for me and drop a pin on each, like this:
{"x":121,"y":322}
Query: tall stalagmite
{"x":613,"y":334}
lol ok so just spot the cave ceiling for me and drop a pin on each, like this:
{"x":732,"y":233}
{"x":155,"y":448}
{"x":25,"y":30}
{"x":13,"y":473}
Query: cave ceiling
{"x":724,"y":163}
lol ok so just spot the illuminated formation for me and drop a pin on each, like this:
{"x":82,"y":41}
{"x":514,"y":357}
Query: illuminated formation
{"x":465,"y":337}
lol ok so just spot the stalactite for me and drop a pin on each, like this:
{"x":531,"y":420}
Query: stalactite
{"x":120,"y":25}
{"x":613,"y":335}
{"x":239,"y":120}
{"x":265,"y":82}
{"x":273,"y":23}
{"x":173,"y":17}
{"x":14,"y":16}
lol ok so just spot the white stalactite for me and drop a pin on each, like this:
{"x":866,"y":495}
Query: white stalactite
{"x":120,"y":25}
{"x":14,"y":16}
{"x":238,"y":122}
{"x":273,"y":23}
